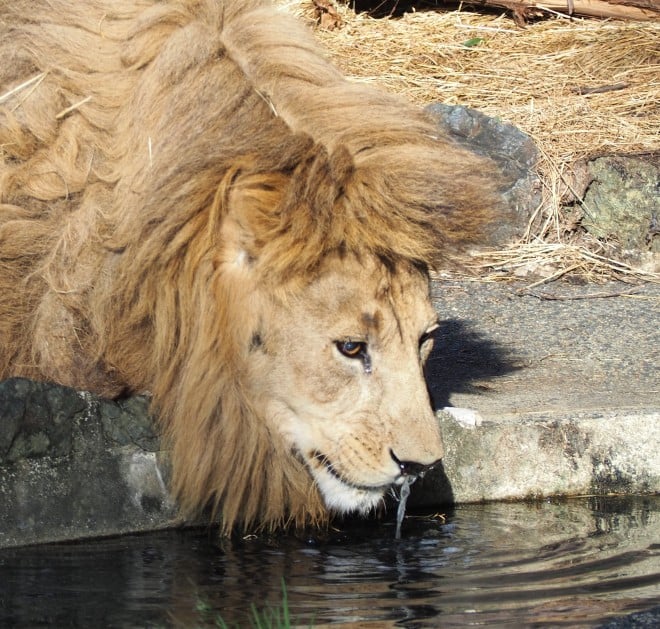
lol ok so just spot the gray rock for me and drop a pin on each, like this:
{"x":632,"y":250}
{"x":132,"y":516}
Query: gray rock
{"x":649,"y":618}
{"x":127,"y":422}
{"x":36,"y":420}
{"x":621,"y":197}
{"x":74,"y":466}
{"x":514,"y":152}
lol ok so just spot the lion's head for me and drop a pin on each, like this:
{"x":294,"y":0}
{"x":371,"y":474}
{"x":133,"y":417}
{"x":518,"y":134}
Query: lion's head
{"x":304,"y":391}
{"x":337,"y":370}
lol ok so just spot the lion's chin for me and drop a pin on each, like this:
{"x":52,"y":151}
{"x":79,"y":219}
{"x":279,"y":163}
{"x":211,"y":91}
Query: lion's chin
{"x":341,"y":497}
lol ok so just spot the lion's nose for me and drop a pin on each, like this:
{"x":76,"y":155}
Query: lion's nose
{"x":412,"y":468}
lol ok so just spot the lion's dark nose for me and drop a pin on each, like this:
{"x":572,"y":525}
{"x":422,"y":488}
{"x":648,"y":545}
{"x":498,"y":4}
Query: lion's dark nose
{"x":412,"y":468}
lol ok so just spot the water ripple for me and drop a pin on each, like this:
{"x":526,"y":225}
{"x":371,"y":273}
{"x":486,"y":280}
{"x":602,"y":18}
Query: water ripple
{"x":573,"y":564}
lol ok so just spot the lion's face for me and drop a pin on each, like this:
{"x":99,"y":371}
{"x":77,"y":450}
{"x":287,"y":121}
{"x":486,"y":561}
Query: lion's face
{"x":339,"y":368}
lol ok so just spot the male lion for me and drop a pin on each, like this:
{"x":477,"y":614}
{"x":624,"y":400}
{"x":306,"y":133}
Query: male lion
{"x":195,"y":203}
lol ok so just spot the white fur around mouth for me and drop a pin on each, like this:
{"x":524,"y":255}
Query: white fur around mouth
{"x":341,"y":495}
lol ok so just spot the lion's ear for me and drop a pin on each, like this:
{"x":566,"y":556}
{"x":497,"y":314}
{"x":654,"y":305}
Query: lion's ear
{"x":246,"y":208}
{"x":239,"y":220}
{"x":286,"y":218}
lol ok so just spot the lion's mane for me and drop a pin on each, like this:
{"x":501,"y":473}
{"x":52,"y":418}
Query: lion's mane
{"x":130,"y":130}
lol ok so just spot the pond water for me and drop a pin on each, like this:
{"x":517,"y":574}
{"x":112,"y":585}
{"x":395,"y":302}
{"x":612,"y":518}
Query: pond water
{"x":573,"y":563}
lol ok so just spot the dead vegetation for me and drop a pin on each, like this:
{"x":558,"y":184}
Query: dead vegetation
{"x":580,"y":88}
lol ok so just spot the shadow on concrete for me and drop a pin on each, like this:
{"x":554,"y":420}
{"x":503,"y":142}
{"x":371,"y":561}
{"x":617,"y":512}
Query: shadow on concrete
{"x":463,"y":360}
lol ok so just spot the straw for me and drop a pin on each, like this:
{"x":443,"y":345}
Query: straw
{"x":579,"y":87}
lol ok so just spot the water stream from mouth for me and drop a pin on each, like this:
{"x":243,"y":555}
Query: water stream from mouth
{"x":403,"y":499}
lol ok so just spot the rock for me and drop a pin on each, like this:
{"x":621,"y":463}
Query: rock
{"x":514,"y":152}
{"x":127,"y":422}
{"x":620,"y":194}
{"x":74,"y":466}
{"x":36,"y":420}
{"x":623,"y":201}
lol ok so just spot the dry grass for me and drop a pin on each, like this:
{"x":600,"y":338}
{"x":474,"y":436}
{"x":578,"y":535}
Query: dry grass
{"x":534,"y":77}
{"x":554,"y":260}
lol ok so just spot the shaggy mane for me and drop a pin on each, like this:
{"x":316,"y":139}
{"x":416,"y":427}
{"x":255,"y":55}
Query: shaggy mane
{"x":132,"y":133}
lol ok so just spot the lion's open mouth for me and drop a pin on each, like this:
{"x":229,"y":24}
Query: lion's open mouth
{"x":330,"y":467}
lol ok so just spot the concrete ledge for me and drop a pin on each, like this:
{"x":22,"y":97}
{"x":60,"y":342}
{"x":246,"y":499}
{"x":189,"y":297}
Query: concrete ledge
{"x":565,"y":384}
{"x":80,"y":467}
{"x":535,"y":456}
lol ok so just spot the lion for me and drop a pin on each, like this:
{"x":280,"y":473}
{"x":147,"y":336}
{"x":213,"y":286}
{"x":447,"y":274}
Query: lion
{"x":197,"y":205}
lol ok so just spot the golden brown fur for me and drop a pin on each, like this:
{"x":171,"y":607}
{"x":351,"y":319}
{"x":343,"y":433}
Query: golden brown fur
{"x":168,"y":171}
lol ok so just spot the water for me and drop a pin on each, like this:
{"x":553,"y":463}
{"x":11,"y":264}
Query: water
{"x":404,"y":492}
{"x":573,"y":564}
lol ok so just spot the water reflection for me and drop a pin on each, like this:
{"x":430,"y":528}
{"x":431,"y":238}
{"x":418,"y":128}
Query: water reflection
{"x":572,"y":564}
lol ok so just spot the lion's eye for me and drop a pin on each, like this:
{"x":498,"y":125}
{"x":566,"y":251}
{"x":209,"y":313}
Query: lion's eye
{"x":426,"y":343}
{"x":426,"y":337}
{"x":352,"y":349}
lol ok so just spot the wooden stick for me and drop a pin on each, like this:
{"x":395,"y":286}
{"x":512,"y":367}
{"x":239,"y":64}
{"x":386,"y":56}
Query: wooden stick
{"x":601,"y":295}
{"x":601,"y":89}
{"x":621,"y":9}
